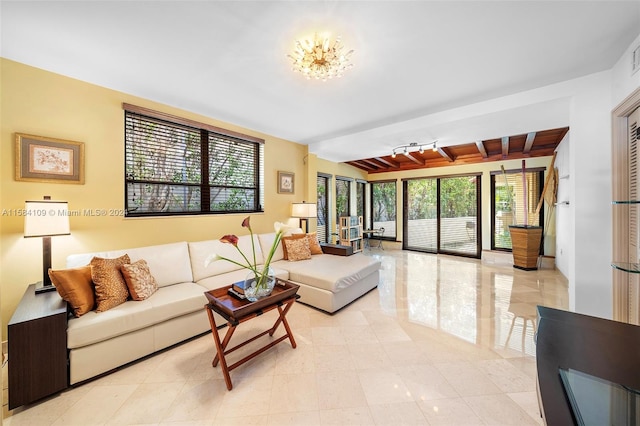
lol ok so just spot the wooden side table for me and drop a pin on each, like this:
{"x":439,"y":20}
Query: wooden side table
{"x":37,"y":340}
{"x":336,"y":249}
{"x":236,"y":311}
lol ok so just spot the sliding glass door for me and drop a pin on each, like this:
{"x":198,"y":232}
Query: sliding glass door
{"x":421,"y":211}
{"x":442,"y":215}
{"x":459,"y":198}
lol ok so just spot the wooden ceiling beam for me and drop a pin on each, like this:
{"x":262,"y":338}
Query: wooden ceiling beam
{"x":505,"y":146}
{"x":362,"y":164}
{"x":388,"y":162}
{"x":410,"y":156}
{"x":529,"y":142}
{"x":371,"y":163}
{"x":445,"y":154}
{"x":481,"y":149}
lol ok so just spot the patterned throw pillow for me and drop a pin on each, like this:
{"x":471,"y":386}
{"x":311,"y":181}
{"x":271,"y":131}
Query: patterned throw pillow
{"x":298,"y":249}
{"x":289,"y":238}
{"x":139,"y":280}
{"x":75,"y":287}
{"x":111,"y":289}
{"x":314,"y":244}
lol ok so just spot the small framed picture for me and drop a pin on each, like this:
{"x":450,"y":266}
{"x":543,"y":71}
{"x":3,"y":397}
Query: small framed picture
{"x":43,"y":159}
{"x":285,"y":182}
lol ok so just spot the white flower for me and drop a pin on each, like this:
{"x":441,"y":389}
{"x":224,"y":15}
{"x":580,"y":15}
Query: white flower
{"x":281,"y":228}
{"x":212,"y":258}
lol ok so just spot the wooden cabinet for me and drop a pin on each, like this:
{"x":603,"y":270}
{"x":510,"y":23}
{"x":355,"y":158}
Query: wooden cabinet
{"x":350,"y":232}
{"x":37,"y":345}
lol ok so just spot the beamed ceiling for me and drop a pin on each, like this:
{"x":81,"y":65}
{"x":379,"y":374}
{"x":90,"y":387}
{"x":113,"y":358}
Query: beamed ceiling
{"x":528,"y":145}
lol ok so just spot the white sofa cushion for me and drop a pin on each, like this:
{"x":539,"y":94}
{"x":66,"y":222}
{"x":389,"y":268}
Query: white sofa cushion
{"x":266,"y":241}
{"x":168,"y":263}
{"x":166,"y":303}
{"x":329,"y":272}
{"x":200,"y":250}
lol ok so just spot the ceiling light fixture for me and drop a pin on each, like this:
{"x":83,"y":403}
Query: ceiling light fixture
{"x":320,"y":59}
{"x":413,"y":146}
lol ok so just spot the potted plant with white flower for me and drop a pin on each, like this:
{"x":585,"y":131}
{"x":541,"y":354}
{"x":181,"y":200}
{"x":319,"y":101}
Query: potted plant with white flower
{"x":261,"y":279}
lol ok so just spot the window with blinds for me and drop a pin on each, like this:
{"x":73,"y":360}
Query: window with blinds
{"x":508,"y":192}
{"x":360,"y":199}
{"x":343,"y":197}
{"x":383,"y":207}
{"x":322,"y":186}
{"x":175,"y":167}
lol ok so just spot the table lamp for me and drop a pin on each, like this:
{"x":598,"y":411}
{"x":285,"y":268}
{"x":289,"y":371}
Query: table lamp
{"x":46,"y":219}
{"x":304,"y":211}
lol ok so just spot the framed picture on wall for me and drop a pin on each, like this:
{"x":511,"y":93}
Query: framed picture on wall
{"x":286,"y":182}
{"x":43,"y":159}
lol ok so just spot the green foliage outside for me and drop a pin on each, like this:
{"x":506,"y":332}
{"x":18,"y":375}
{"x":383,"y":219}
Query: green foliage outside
{"x":384,"y":201}
{"x":458,"y":197}
{"x":342,"y":198}
{"x":164,"y":174}
{"x":423,"y":199}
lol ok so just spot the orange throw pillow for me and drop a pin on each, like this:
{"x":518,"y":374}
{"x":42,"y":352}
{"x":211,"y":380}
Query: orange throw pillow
{"x":314,"y":244}
{"x":75,"y":287}
{"x":111,"y":289}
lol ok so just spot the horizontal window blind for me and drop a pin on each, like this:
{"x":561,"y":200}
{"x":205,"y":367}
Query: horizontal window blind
{"x":171,"y":168}
{"x":509,"y":192}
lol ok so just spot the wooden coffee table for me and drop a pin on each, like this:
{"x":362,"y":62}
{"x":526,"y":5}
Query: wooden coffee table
{"x":236,"y":311}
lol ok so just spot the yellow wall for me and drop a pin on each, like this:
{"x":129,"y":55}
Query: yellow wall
{"x":41,"y":103}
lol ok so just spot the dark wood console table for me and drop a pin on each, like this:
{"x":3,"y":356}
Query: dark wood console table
{"x":37,"y":340}
{"x":576,"y":350}
{"x":336,"y":249}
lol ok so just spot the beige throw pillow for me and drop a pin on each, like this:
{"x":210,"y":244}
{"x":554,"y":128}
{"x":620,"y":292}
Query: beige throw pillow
{"x":75,"y":287}
{"x":140,"y":282}
{"x":298,"y":249}
{"x":111,"y":289}
{"x":289,"y":238}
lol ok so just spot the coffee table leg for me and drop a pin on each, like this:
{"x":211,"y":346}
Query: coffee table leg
{"x":225,"y":343}
{"x":282,"y":318}
{"x":220,"y":349}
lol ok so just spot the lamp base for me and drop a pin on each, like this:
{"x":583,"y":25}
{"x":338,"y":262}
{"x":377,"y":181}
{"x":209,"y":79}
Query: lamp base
{"x":40,"y":288}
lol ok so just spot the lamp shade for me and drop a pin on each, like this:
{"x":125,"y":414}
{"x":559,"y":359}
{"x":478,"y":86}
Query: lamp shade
{"x":304,"y":210}
{"x":46,"y":218}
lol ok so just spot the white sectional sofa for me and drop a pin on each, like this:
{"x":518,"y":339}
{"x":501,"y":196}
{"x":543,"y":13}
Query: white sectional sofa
{"x":100,"y":342}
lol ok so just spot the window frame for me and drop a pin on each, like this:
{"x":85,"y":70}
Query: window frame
{"x":326,"y":237}
{"x":207,"y":133}
{"x":348,"y":181}
{"x":495,"y":175}
{"x":372,"y":185}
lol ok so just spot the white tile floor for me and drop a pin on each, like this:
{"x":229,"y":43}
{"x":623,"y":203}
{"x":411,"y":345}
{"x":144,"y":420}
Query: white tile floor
{"x":442,"y":341}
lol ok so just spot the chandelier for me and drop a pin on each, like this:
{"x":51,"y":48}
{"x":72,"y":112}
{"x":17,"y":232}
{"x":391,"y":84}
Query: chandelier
{"x":412,"y":147}
{"x":320,"y":59}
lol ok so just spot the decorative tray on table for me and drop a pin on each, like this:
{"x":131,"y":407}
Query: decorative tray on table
{"x":235,"y":307}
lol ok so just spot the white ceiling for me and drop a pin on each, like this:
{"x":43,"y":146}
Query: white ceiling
{"x":413,"y":59}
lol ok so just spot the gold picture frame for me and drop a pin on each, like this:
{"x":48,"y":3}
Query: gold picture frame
{"x":44,"y":159}
{"x":286,"y":182}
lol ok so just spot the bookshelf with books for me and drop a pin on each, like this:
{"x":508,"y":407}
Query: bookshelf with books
{"x":350,"y":232}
